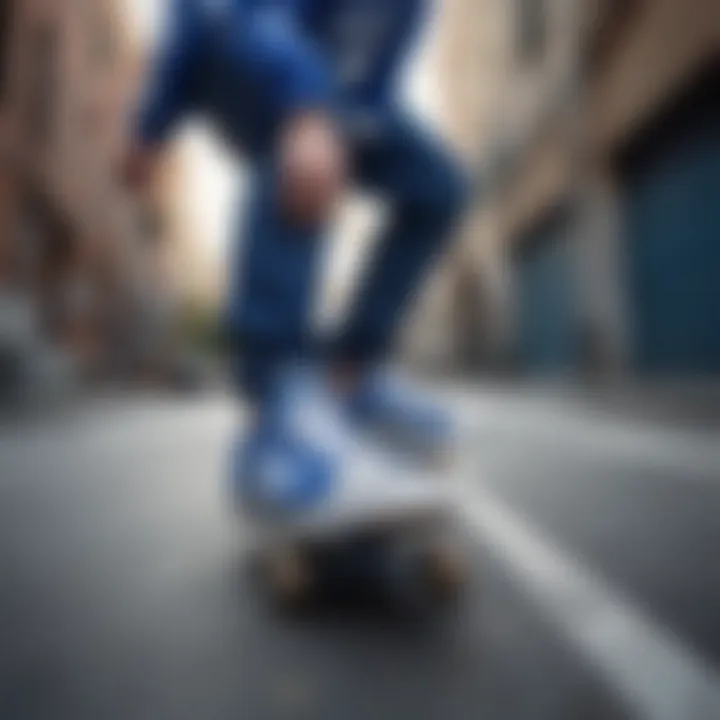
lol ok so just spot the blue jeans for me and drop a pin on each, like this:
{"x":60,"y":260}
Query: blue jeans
{"x":272,"y":289}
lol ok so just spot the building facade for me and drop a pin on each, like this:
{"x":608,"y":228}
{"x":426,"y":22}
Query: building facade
{"x":463,"y":72}
{"x":600,"y":164}
{"x":75,"y":249}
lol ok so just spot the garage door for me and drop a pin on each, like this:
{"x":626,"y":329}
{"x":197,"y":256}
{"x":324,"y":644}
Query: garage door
{"x":672,"y":207}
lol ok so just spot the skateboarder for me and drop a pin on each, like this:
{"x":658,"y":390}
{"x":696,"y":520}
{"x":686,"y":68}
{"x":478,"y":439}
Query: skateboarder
{"x":305,"y":92}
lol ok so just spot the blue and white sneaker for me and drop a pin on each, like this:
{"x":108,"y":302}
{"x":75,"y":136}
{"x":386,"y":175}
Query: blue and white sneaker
{"x":385,"y":404}
{"x":290,"y":459}
{"x":304,"y":472}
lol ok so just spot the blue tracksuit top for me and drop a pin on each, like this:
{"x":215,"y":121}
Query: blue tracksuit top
{"x":247,"y":64}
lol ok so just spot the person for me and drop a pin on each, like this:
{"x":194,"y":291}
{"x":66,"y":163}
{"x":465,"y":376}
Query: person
{"x":306,"y":92}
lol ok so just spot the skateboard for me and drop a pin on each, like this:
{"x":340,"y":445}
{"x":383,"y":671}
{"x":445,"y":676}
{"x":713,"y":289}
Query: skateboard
{"x":416,"y":560}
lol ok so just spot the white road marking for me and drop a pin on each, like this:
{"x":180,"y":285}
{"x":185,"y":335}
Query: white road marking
{"x":655,"y":674}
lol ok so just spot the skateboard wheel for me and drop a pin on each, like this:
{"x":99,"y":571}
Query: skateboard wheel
{"x":447,"y":571}
{"x":423,"y":575}
{"x":288,"y":578}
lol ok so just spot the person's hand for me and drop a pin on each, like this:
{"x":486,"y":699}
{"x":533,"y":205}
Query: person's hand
{"x":138,"y":167}
{"x":312,"y":169}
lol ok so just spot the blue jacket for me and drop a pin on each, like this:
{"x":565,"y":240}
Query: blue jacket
{"x":247,"y":64}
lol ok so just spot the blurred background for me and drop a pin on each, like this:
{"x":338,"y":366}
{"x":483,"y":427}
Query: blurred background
{"x":591,"y":252}
{"x":575,"y":328}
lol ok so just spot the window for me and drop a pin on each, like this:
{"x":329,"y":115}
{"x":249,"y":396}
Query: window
{"x":532,"y":29}
{"x":611,"y":24}
{"x":6,"y":7}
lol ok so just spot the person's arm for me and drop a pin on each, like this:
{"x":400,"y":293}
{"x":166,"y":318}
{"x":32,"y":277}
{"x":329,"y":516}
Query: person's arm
{"x":166,"y":95}
{"x":169,"y":91}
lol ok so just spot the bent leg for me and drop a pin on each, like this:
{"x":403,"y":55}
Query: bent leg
{"x":427,"y":192}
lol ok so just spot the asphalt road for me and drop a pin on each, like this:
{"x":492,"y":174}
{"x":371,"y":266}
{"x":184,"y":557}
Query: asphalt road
{"x":594,"y":592}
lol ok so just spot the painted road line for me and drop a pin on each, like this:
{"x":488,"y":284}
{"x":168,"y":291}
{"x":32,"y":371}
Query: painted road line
{"x":652,"y":670}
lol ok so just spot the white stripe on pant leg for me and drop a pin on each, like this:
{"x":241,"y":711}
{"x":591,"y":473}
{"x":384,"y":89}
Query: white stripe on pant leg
{"x":653,"y":672}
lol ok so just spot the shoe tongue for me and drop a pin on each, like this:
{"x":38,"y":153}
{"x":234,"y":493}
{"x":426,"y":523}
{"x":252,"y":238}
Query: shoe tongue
{"x":314,"y":416}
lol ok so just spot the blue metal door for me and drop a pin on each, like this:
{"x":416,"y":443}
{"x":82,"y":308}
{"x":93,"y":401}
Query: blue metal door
{"x":672,"y":208}
{"x":546,"y":309}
